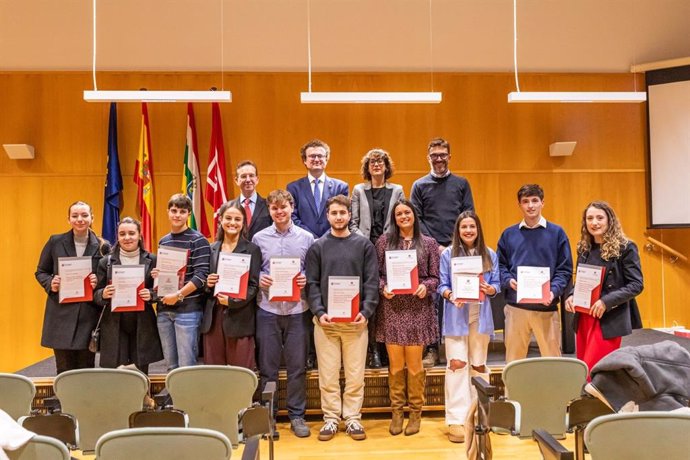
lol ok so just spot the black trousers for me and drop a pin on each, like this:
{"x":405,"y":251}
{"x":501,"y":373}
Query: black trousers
{"x":66,"y":360}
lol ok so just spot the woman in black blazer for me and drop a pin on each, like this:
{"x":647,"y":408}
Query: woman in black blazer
{"x":67,"y":327}
{"x":128,"y":337}
{"x":229,"y":324}
{"x":615,"y":314}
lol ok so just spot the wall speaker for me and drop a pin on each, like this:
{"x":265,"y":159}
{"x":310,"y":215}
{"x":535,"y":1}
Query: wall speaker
{"x":562,"y":149}
{"x":19,"y":151}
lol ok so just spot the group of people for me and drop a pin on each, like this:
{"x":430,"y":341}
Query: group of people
{"x":338,"y":237}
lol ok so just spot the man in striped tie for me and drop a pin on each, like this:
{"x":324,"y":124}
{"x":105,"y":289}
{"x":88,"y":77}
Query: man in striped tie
{"x":247,"y":178}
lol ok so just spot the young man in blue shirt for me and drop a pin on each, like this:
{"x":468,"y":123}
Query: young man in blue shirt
{"x":533,"y":242}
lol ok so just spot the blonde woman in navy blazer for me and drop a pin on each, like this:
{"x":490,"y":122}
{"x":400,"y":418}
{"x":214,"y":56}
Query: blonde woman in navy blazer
{"x":67,"y":327}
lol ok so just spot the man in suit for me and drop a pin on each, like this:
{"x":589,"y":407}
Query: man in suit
{"x":313,"y":191}
{"x":311,"y":194}
{"x":247,"y":178}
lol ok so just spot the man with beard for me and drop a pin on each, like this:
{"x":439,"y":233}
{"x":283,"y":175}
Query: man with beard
{"x":341,"y":256}
{"x":439,"y":197}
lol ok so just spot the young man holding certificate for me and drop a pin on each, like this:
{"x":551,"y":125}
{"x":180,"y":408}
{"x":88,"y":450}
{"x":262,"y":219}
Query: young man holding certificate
{"x":282,"y":319}
{"x":536,"y":266}
{"x":181,"y":270}
{"x":343,"y":285}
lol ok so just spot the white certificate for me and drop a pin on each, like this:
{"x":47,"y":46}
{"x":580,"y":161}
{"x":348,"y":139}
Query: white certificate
{"x":465,"y":271}
{"x":533,"y":284}
{"x":74,"y":273}
{"x":128,"y":280}
{"x":401,"y":271}
{"x":170,"y":261}
{"x":168,"y":283}
{"x":343,"y":297}
{"x":466,"y":286}
{"x":587,"y":285}
{"x":233,"y":274}
{"x":283,"y":271}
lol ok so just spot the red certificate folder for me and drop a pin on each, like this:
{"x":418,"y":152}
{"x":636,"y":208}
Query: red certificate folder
{"x":482,"y":296}
{"x":595,"y":294}
{"x":296,"y":293}
{"x":545,"y":290}
{"x":138,"y":307}
{"x":353,"y":312}
{"x":414,"y":277}
{"x":244,"y":280}
{"x":88,"y":293}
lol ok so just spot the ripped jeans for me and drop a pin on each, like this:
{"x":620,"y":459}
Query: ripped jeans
{"x":466,"y":356}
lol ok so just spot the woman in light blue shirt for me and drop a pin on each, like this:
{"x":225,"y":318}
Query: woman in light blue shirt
{"x":467,"y":326}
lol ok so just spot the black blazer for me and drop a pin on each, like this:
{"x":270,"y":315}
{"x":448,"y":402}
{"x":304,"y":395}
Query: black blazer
{"x":67,"y":326}
{"x":239,"y":316}
{"x":260,"y":218}
{"x":148,"y":343}
{"x":622,"y":282}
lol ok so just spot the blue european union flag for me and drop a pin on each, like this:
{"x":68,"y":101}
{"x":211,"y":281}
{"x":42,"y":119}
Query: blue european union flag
{"x":113,"y":182}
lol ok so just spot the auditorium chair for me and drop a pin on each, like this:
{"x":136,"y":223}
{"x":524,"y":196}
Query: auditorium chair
{"x":40,"y":448}
{"x":163,"y":443}
{"x":212,"y":396}
{"x":16,"y":394}
{"x":537,"y":394}
{"x":100,"y":399}
{"x":629,"y":436}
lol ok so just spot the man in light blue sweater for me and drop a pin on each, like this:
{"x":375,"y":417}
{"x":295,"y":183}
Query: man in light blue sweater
{"x":534,"y":242}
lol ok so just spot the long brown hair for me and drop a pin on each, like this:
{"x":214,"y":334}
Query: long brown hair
{"x":458,"y":247}
{"x":220,"y":233}
{"x":614,"y":238}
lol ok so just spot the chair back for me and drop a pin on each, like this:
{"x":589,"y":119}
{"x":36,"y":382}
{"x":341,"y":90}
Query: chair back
{"x":100,"y":399}
{"x":543,"y":387}
{"x":163,"y":443}
{"x":212,"y":396}
{"x":639,"y":436}
{"x":16,"y":395}
{"x":40,"y":448}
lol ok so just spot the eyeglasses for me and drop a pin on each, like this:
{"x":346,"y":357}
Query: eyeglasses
{"x":377,"y":161}
{"x":438,"y":156}
{"x":316,"y":157}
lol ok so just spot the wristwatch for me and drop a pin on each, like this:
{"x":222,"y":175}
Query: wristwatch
{"x":448,"y":297}
{"x":180,"y":297}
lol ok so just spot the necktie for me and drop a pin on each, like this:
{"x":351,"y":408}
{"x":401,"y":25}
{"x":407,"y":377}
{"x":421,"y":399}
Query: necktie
{"x":317,"y":195}
{"x":248,"y":211}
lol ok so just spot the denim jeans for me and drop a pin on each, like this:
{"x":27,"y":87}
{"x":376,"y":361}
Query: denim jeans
{"x":179,"y":334}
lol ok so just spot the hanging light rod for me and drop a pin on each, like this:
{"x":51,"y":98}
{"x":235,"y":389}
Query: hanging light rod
{"x":157,"y":96}
{"x":371,"y":97}
{"x":575,"y":97}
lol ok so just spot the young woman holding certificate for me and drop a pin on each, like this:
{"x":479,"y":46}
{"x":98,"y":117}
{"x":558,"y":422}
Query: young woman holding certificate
{"x":406,"y":319}
{"x":614,"y":313}
{"x":228,"y":323}
{"x":129,"y":334}
{"x":68,"y":322}
{"x":469,"y":276}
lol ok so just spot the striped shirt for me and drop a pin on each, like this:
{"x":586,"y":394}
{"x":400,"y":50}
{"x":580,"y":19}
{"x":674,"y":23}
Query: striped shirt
{"x":197,"y":262}
{"x":293,"y":243}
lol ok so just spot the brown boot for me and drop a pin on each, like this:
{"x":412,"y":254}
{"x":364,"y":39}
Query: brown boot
{"x":415,"y":399}
{"x":396,"y":393}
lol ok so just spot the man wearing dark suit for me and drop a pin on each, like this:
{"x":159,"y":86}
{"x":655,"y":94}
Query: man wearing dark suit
{"x":313,"y":191}
{"x":247,"y":178}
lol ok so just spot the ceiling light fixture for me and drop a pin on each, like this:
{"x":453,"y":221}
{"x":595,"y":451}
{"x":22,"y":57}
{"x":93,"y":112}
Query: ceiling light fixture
{"x":374,"y":97}
{"x":154,"y":96}
{"x":565,"y":96}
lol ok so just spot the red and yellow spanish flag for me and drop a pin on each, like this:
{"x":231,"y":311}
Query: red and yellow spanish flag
{"x":143,"y":177}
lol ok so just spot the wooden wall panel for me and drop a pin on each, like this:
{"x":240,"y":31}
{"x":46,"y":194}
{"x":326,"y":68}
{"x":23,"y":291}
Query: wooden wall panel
{"x":496,"y":145}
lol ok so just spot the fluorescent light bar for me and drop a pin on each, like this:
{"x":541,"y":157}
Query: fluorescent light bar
{"x":370,"y":98}
{"x":157,"y":96}
{"x":582,"y":96}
